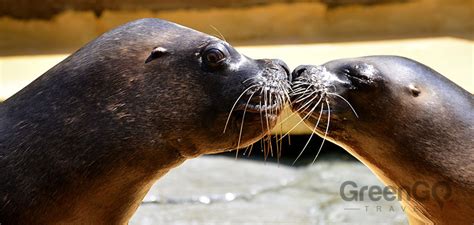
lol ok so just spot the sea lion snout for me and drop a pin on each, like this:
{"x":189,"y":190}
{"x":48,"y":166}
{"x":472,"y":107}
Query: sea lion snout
{"x":282,"y":65}
{"x":298,"y":71}
{"x":267,"y":90}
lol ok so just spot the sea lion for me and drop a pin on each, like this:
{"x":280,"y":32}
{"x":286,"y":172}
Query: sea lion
{"x":409,"y":124}
{"x":83,"y":143}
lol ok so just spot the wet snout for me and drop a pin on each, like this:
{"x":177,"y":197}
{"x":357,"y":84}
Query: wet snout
{"x":283,"y":65}
{"x":298,"y":71}
{"x":269,"y":90}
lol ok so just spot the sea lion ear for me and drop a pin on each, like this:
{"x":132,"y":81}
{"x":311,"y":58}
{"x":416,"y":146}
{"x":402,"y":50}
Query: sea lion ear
{"x":415,"y":91}
{"x":156,"y":53}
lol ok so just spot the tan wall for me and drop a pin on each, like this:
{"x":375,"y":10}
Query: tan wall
{"x":256,"y":25}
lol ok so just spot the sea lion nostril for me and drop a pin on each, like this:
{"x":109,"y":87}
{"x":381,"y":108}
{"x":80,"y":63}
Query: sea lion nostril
{"x":298,"y":71}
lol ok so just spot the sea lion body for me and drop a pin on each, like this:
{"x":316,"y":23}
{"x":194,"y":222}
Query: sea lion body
{"x":409,"y":124}
{"x":84,"y":142}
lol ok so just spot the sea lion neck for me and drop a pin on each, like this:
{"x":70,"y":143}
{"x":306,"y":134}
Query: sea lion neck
{"x":113,"y":196}
{"x":101,"y":174}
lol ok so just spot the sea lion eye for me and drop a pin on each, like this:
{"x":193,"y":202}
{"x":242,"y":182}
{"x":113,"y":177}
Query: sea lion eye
{"x":214,"y":56}
{"x":355,"y":73}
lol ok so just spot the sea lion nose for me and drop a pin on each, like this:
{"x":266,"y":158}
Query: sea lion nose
{"x":283,"y":65}
{"x":298,"y":71}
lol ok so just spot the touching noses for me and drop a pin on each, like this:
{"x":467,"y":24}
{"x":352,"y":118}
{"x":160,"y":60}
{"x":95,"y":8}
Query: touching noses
{"x":284,"y":66}
{"x":298,"y":71}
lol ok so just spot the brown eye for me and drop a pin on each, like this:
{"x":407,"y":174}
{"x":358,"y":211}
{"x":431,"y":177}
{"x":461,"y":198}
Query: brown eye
{"x":214,"y":56}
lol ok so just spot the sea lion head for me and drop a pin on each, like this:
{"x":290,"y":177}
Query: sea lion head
{"x":213,"y":97}
{"x":158,"y":82}
{"x":369,"y":98}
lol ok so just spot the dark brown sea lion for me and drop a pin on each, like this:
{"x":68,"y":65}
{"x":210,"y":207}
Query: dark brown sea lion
{"x":409,"y":124}
{"x":83,"y":143}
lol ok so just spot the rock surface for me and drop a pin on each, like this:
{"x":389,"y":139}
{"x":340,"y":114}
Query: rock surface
{"x":222,"y":190}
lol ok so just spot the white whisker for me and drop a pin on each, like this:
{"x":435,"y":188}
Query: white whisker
{"x":312,"y":133}
{"x":353,"y":110}
{"x":325,"y":133}
{"x":235,"y":103}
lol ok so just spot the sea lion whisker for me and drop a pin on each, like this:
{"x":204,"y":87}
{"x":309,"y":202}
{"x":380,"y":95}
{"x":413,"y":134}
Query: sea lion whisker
{"x":312,"y":133}
{"x":235,"y":103}
{"x":250,"y":150}
{"x":334,"y":87}
{"x":262,"y":143}
{"x":220,"y":34}
{"x":305,"y":117}
{"x":301,"y":92}
{"x":300,"y":81}
{"x":287,"y":96}
{"x":304,"y":106}
{"x":288,"y":117}
{"x":243,"y":120}
{"x":286,"y":85}
{"x":308,"y":104}
{"x":267,"y":148}
{"x":289,"y":139}
{"x":246,"y":149}
{"x":297,"y":89}
{"x":279,"y":145}
{"x":302,"y":98}
{"x":306,"y":88}
{"x":268,"y":122}
{"x":353,"y":110}
{"x":268,"y":126}
{"x":325,"y":132}
{"x":299,"y":86}
{"x":263,"y":140}
{"x":248,"y":79}
{"x":282,"y":100}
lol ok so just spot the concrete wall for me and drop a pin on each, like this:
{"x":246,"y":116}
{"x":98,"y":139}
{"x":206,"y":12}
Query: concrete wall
{"x":251,"y":24}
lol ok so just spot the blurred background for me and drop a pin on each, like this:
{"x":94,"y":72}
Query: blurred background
{"x":36,"y":35}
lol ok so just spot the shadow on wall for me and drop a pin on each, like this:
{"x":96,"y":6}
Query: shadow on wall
{"x":36,"y":27}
